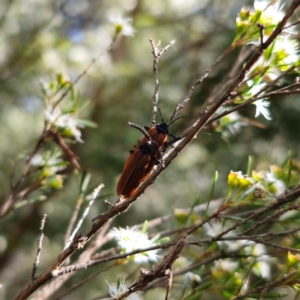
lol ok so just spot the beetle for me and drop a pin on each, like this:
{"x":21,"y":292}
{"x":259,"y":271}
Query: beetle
{"x":137,"y":168}
{"x":145,"y":155}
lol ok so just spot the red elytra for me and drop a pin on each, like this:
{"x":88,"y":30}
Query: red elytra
{"x":144,"y":156}
{"x":137,"y":168}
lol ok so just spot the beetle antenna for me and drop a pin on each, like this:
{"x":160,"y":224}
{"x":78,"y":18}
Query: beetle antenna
{"x":141,"y":129}
{"x":160,"y":113}
{"x":172,"y":121}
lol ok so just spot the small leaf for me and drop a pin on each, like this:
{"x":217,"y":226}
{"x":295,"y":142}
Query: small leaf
{"x":155,"y":239}
{"x":163,"y":240}
{"x":211,"y":192}
{"x":87,"y":123}
{"x":85,"y":180}
{"x":145,"y":227}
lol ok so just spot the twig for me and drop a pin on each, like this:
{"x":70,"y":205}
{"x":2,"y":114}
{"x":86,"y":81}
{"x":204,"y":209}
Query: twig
{"x":55,"y":284}
{"x":277,"y":282}
{"x":256,"y":96}
{"x":39,"y":250}
{"x":61,"y":143}
{"x":219,"y":88}
{"x":157,"y":53}
{"x":81,"y":283}
{"x":276,"y":246}
{"x":85,"y":213}
{"x":261,"y":33}
{"x":192,"y":89}
{"x":161,"y":270}
{"x":95,"y":262}
{"x":268,"y":219}
{"x":11,"y":200}
{"x":279,"y":201}
{"x":83,"y":74}
{"x":73,"y":219}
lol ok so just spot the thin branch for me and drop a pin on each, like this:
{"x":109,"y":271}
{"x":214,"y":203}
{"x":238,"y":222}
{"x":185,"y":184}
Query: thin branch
{"x":161,"y":270}
{"x":219,"y":88}
{"x":276,"y":246}
{"x":11,"y":200}
{"x":73,"y":218}
{"x":85,"y":71}
{"x":39,"y":250}
{"x":85,"y":213}
{"x":257,"y":290}
{"x":277,"y":202}
{"x":256,"y":96}
{"x":157,"y":53}
{"x":55,"y":284}
{"x":268,"y":219}
{"x":81,"y":283}
{"x":192,"y":89}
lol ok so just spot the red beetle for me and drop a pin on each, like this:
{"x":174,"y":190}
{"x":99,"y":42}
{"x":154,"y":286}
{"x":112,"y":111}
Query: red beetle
{"x":145,"y":155}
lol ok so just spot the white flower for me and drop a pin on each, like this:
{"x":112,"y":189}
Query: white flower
{"x":277,"y":185}
{"x":226,"y":265}
{"x":52,"y":115}
{"x":37,"y":160}
{"x":122,"y":25}
{"x":262,"y":265}
{"x":116,"y":290}
{"x":271,"y":10}
{"x":262,"y":108}
{"x":216,"y":228}
{"x":67,"y":121}
{"x":132,"y":239}
{"x":52,"y":163}
{"x":190,"y":277}
{"x":287,"y":49}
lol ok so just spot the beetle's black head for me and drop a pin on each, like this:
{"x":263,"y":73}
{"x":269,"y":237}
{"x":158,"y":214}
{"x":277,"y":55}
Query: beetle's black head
{"x":162,"y":128}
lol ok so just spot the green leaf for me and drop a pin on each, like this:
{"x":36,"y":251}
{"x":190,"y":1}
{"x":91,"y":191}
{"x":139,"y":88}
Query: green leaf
{"x":195,"y":296}
{"x":204,"y":286}
{"x":250,"y":165}
{"x":186,"y":284}
{"x":87,"y":123}
{"x":155,"y":239}
{"x":163,"y":240}
{"x":31,"y":201}
{"x":145,"y":227}
{"x":211,"y":192}
{"x":85,"y":180}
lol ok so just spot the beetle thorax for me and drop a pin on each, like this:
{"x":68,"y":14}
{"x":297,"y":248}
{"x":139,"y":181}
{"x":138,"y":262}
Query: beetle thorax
{"x":163,"y":128}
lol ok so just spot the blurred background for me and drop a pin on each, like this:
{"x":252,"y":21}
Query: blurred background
{"x":39,"y":39}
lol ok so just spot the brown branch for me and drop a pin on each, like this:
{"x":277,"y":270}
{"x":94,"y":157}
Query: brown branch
{"x":275,"y":283}
{"x":11,"y":199}
{"x":277,"y":202}
{"x":282,"y":91}
{"x":268,"y":219}
{"x":162,"y":270}
{"x":70,"y":154}
{"x":81,"y":283}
